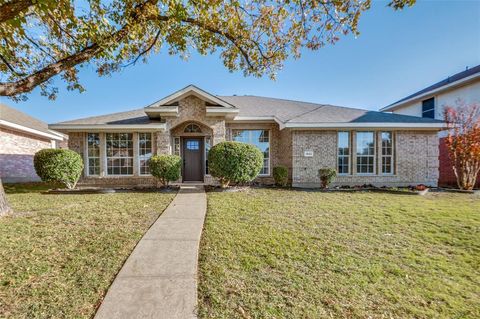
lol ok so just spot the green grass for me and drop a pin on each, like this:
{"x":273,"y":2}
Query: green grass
{"x":59,"y":253}
{"x":269,"y":253}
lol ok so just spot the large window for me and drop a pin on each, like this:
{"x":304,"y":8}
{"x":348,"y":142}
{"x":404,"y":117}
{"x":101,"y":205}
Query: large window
{"x":365,"y":153}
{"x":387,"y":152}
{"x":259,"y":138}
{"x":119,"y":153}
{"x":144,"y":152}
{"x":93,"y":153}
{"x":428,"y":108}
{"x":343,"y":146}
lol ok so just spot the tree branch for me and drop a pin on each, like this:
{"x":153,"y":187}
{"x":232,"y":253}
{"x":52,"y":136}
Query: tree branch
{"x":13,"y":8}
{"x":145,"y":51}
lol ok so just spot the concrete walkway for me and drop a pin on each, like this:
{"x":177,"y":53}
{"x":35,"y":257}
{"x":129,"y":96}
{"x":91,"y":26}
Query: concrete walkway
{"x":159,"y":279}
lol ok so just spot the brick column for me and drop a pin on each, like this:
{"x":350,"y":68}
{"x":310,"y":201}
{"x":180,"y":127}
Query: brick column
{"x":103,"y":154}
{"x":135,"y":155}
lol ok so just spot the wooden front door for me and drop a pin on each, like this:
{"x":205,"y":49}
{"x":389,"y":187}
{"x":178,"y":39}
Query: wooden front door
{"x":193,"y":159}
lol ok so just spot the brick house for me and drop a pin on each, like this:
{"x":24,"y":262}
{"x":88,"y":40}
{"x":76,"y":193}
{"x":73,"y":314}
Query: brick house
{"x":21,"y":136}
{"x":431,"y":102}
{"x":366,"y":147}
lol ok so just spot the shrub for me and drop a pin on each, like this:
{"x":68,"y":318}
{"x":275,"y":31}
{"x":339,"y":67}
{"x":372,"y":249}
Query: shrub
{"x":280,"y":175}
{"x":234,"y":162}
{"x":327,"y":176}
{"x":58,"y":166}
{"x":165,"y":167}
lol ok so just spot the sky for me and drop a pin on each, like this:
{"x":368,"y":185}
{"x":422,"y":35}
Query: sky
{"x":396,"y":54}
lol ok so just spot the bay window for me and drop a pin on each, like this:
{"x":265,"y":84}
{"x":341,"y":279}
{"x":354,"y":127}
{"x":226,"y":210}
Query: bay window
{"x":365,"y":152}
{"x":343,"y":152}
{"x":144,"y":152}
{"x":119,"y":148}
{"x":93,"y":154}
{"x":259,"y":138}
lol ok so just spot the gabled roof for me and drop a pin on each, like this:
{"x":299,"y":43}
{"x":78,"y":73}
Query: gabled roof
{"x":287,"y":113}
{"x":190,"y":90}
{"x":461,"y":78}
{"x":17,"y":120}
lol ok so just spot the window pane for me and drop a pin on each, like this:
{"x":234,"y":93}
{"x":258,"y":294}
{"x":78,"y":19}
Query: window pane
{"x":93,"y":153}
{"x":119,"y":153}
{"x":343,"y":149}
{"x":428,"y":108}
{"x":365,"y":152}
{"x":259,"y":138}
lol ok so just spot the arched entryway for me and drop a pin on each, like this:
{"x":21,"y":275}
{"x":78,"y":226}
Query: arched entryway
{"x":192,"y":141}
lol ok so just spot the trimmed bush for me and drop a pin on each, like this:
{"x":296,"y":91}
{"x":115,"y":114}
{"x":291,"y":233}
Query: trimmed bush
{"x":58,"y":166}
{"x":166,"y":168}
{"x":327,"y":176}
{"x":280,"y":175}
{"x":234,"y":162}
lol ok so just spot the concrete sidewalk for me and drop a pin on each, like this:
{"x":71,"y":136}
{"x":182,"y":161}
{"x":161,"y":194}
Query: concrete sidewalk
{"x":159,"y":279}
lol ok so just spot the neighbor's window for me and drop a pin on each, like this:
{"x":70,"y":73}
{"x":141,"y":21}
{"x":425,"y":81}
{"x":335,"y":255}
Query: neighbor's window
{"x":365,"y":152}
{"x":144,"y":152}
{"x":119,"y":153}
{"x":387,"y":152}
{"x":93,"y":153}
{"x":428,"y":108}
{"x":259,"y":138}
{"x":343,"y":146}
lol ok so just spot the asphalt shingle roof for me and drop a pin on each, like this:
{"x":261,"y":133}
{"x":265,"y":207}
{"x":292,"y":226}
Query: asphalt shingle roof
{"x":286,"y":111}
{"x":15,"y":116}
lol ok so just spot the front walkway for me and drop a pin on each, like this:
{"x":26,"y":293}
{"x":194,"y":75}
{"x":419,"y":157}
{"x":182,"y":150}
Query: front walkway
{"x":159,"y":279}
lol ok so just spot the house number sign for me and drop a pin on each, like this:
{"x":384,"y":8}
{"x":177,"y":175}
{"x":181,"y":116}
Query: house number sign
{"x":308,"y":153}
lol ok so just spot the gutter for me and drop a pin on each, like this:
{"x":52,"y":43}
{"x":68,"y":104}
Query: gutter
{"x":52,"y":135}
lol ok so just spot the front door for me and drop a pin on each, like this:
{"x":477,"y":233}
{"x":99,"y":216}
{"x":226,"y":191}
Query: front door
{"x":193,"y":159}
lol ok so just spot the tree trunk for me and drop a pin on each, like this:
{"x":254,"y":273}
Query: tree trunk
{"x":4,"y":207}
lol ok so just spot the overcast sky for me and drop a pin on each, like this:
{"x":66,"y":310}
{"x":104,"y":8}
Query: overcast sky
{"x":397,"y":53}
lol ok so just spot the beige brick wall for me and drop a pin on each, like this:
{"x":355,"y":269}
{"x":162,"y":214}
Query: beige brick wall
{"x":16,"y":155}
{"x":190,"y":109}
{"x":416,"y":157}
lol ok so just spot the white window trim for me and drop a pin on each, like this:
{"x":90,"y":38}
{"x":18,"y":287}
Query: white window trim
{"x":269,"y":147}
{"x":140,"y":156}
{"x":106,"y":156}
{"x":349,"y":154}
{"x":87,"y":165}
{"x":374,"y":173}
{"x":393,"y":163}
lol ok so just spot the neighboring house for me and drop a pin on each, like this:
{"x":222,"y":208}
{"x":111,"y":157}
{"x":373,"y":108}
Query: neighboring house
{"x":366,"y":147}
{"x":431,"y":102}
{"x":21,"y":136}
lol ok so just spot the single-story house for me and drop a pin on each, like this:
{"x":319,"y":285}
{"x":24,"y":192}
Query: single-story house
{"x":365,"y":147}
{"x":431,"y":101}
{"x":21,"y":136}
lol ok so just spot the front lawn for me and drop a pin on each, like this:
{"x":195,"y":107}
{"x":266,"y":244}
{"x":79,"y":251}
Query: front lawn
{"x":59,"y":253}
{"x":269,"y":253}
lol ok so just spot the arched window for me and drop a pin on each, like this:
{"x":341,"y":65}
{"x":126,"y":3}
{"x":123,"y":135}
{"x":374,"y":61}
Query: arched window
{"x":192,"y":128}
